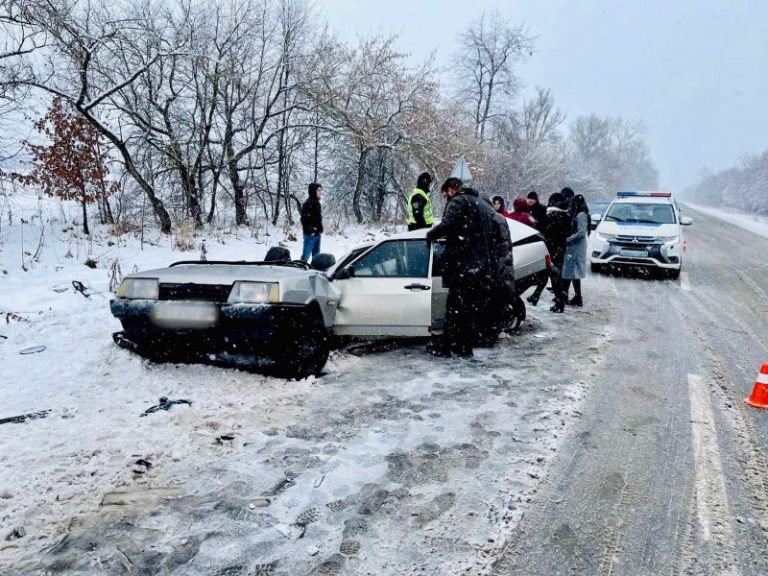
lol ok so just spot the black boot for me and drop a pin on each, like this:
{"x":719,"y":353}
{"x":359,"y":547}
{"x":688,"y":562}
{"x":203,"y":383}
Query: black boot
{"x":576,"y":301}
{"x":533,"y":299}
{"x":559,"y":306}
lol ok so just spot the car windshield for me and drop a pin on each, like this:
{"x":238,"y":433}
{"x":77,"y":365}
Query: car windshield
{"x":641,"y":213}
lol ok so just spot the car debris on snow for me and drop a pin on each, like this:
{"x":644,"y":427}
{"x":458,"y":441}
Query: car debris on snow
{"x":165,"y":404}
{"x":32,"y":350}
{"x":16,"y":533}
{"x":80,"y":287}
{"x":24,"y":417}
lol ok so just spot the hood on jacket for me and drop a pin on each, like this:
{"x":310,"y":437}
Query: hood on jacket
{"x":520,"y":204}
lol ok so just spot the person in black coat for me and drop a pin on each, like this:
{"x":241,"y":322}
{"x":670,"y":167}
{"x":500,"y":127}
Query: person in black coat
{"x":501,"y":313}
{"x":535,"y":208}
{"x":312,"y":222}
{"x":467,"y":228}
{"x":556,"y":229}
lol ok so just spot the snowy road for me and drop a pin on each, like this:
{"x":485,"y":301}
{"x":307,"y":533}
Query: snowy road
{"x":666,"y":473}
{"x":393,"y":462}
{"x":608,"y":440}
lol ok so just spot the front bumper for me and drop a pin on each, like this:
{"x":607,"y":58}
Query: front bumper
{"x":668,"y":256}
{"x":235,"y":328}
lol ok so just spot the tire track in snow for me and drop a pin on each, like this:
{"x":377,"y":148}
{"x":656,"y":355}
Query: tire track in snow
{"x":712,"y":510}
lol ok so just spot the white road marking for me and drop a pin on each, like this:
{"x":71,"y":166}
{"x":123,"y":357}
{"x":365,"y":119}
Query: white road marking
{"x":685,"y":281}
{"x":713,"y":512}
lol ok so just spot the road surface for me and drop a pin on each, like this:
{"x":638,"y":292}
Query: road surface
{"x":666,"y":473}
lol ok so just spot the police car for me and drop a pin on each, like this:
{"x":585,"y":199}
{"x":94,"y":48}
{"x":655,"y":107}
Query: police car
{"x":640,"y":229}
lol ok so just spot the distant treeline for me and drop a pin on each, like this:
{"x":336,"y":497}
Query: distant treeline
{"x":743,"y":187}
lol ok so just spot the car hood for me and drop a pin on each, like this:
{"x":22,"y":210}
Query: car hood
{"x":635,"y":229}
{"x":221,"y":273}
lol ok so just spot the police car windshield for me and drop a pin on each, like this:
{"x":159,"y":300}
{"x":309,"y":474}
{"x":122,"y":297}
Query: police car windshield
{"x":641,"y":213}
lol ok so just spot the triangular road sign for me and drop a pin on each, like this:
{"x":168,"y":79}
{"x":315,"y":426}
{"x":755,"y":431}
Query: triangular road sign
{"x":461,"y":170}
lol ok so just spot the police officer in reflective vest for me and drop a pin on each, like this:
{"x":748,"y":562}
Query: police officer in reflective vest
{"x":419,"y":206}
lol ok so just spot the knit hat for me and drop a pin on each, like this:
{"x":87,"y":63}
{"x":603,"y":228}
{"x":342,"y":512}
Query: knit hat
{"x":424,"y":181}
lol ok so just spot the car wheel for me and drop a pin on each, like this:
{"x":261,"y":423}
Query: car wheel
{"x":596,"y":268}
{"x":674,"y":274}
{"x":307,"y":350}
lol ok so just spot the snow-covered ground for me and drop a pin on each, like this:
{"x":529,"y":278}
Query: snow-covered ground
{"x":392,"y":462}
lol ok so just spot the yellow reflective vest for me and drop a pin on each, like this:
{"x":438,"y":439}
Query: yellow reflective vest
{"x":428,"y":217}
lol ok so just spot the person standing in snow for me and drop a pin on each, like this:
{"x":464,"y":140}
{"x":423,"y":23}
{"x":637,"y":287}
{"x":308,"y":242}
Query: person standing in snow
{"x":568,"y":195}
{"x":556,"y":229}
{"x":312,"y":222}
{"x":419,"y":206}
{"x":575,"y":263}
{"x":520,"y":212}
{"x":535,"y":208}
{"x":466,"y":227}
{"x":498,"y":205}
{"x":502,"y":311}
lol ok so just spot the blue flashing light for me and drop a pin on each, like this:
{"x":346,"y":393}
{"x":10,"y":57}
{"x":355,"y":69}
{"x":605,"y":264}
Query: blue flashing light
{"x":628,"y":193}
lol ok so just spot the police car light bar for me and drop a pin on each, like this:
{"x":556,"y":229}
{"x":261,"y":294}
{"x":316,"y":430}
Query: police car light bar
{"x":624,"y":194}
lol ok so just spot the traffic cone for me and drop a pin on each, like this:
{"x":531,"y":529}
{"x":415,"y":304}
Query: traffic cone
{"x":759,"y":398}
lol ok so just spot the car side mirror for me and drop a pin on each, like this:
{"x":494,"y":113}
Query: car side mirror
{"x":323,"y":261}
{"x":346,"y":272}
{"x":686,"y":220}
{"x":596,"y":217}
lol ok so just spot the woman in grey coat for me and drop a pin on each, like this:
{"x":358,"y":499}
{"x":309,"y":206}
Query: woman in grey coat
{"x":575,"y":263}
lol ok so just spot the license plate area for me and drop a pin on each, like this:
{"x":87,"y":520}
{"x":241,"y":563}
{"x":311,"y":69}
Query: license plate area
{"x":634,"y":253}
{"x":184,"y":315}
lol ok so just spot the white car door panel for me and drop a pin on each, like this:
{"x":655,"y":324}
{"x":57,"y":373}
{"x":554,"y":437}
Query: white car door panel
{"x":388,"y":292}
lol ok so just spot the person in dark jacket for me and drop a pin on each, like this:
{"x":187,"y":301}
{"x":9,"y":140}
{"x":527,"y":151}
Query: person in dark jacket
{"x":520,"y":212}
{"x":498,"y":206}
{"x":556,"y":229}
{"x":502,"y":312}
{"x":568,"y":195}
{"x":419,"y":210}
{"x":538,"y":211}
{"x":467,"y":228}
{"x":312,"y":222}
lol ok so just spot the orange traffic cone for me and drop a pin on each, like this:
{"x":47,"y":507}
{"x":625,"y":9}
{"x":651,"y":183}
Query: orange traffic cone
{"x":759,"y":398}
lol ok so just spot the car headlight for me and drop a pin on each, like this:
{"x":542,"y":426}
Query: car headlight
{"x":605,"y":237}
{"x":254,"y":292}
{"x":139,"y":288}
{"x":669,"y":239}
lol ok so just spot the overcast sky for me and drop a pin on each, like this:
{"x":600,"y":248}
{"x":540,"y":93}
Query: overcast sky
{"x":695,"y":71}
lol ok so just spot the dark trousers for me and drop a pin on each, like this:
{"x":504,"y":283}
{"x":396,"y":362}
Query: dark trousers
{"x":558,"y":284}
{"x":466,"y":306}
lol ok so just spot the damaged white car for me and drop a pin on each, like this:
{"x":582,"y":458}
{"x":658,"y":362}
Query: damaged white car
{"x":287,"y":314}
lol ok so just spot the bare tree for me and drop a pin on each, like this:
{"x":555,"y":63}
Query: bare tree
{"x":77,"y":65}
{"x":485,"y":66}
{"x":372,"y":102}
{"x":609,"y":154}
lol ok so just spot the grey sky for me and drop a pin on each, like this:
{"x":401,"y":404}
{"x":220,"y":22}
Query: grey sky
{"x":695,"y":71}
